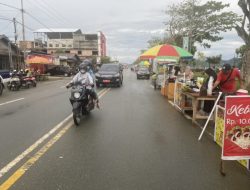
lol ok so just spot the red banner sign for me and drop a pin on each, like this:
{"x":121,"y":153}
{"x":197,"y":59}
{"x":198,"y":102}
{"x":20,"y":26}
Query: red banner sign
{"x":39,"y":59}
{"x":236,"y":142}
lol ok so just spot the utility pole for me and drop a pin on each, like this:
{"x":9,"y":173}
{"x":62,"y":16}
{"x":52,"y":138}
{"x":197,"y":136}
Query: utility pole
{"x":10,"y":54}
{"x":191,"y":31}
{"x":15,"y":34}
{"x":22,"y":11}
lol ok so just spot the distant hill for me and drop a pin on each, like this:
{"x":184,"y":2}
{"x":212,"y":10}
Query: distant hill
{"x":232,"y":62}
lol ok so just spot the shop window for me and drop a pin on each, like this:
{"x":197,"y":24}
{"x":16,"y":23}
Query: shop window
{"x":94,"y":52}
{"x":67,"y":51}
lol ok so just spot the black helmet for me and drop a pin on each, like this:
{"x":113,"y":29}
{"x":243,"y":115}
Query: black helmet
{"x":226,"y":67}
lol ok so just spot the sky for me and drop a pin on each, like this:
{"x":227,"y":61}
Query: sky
{"x":127,"y":24}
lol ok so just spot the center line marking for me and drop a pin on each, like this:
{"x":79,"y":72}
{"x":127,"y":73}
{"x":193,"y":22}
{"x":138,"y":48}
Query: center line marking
{"x":11,"y":101}
{"x":25,"y":167}
{"x":10,"y":165}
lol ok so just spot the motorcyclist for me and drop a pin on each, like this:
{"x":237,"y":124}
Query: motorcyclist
{"x":13,"y":73}
{"x":28,"y":73}
{"x":86,"y":79}
{"x":89,"y":68}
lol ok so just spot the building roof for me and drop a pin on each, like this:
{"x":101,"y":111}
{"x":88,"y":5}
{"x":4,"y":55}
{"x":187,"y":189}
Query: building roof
{"x":2,"y":36}
{"x":6,"y":41}
{"x":58,"y":30}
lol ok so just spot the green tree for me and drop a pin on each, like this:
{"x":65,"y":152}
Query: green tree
{"x":201,"y":60}
{"x":214,"y":60}
{"x":105,"y":59}
{"x":243,"y":30}
{"x":241,"y":50}
{"x":174,"y":40}
{"x":202,"y":23}
{"x":154,"y":41}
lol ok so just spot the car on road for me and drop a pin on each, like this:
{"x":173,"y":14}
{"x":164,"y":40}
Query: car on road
{"x":109,"y":74}
{"x":60,"y":70}
{"x":143,"y":72}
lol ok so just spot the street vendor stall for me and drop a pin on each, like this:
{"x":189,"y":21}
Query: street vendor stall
{"x":165,"y":57}
{"x":194,"y":104}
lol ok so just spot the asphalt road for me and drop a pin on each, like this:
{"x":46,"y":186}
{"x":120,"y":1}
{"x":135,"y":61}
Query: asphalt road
{"x":24,"y":121}
{"x":136,"y":141}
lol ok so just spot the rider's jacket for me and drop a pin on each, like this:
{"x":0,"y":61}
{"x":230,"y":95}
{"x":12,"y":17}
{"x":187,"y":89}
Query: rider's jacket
{"x":85,"y":79}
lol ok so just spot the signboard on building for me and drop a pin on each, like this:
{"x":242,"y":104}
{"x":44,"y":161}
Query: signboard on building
{"x":39,"y":59}
{"x":236,"y":138}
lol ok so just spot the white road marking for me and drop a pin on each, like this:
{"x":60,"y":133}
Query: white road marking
{"x":32,"y":147}
{"x":11,"y":101}
{"x":63,"y":87}
{"x":152,"y":86}
{"x":10,"y":165}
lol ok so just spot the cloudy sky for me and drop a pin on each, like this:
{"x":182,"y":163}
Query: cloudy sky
{"x":127,"y":24}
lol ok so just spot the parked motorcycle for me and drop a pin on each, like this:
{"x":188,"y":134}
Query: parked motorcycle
{"x":28,"y":81}
{"x":81,"y":102}
{"x":1,"y":85}
{"x":14,"y":83}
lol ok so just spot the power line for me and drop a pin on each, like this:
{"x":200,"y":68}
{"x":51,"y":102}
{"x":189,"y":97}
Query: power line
{"x":5,"y":27}
{"x":55,"y":40}
{"x":55,"y":11}
{"x":10,"y":6}
{"x":7,"y":10}
{"x":9,"y":23}
{"x":43,"y":10}
{"x":22,"y":11}
{"x":3,"y":18}
{"x":10,"y":20}
{"x":34,"y":18}
{"x":52,"y":14}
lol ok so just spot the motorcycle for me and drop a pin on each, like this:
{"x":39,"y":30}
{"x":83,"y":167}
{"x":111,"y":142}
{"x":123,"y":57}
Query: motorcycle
{"x":28,"y":81}
{"x":1,"y":85}
{"x":81,"y":102}
{"x":14,"y":83}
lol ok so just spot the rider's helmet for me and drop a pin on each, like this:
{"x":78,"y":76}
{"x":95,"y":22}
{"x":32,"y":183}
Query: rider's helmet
{"x":83,"y":67}
{"x":14,"y":72}
{"x":88,"y":64}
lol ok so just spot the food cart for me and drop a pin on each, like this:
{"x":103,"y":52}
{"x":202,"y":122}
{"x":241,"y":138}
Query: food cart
{"x":163,"y":80}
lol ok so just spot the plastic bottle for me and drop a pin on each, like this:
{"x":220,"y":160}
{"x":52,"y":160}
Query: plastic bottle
{"x":210,"y":86}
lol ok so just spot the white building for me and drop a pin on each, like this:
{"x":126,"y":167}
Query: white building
{"x":73,"y":42}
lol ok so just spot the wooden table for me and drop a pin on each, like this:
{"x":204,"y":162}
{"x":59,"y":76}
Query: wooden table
{"x":195,"y":98}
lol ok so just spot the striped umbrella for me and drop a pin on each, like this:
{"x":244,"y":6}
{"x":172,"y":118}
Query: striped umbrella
{"x":166,"y":53}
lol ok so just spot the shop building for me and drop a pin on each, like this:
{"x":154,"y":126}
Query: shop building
{"x":71,"y":42}
{"x":10,"y":55}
